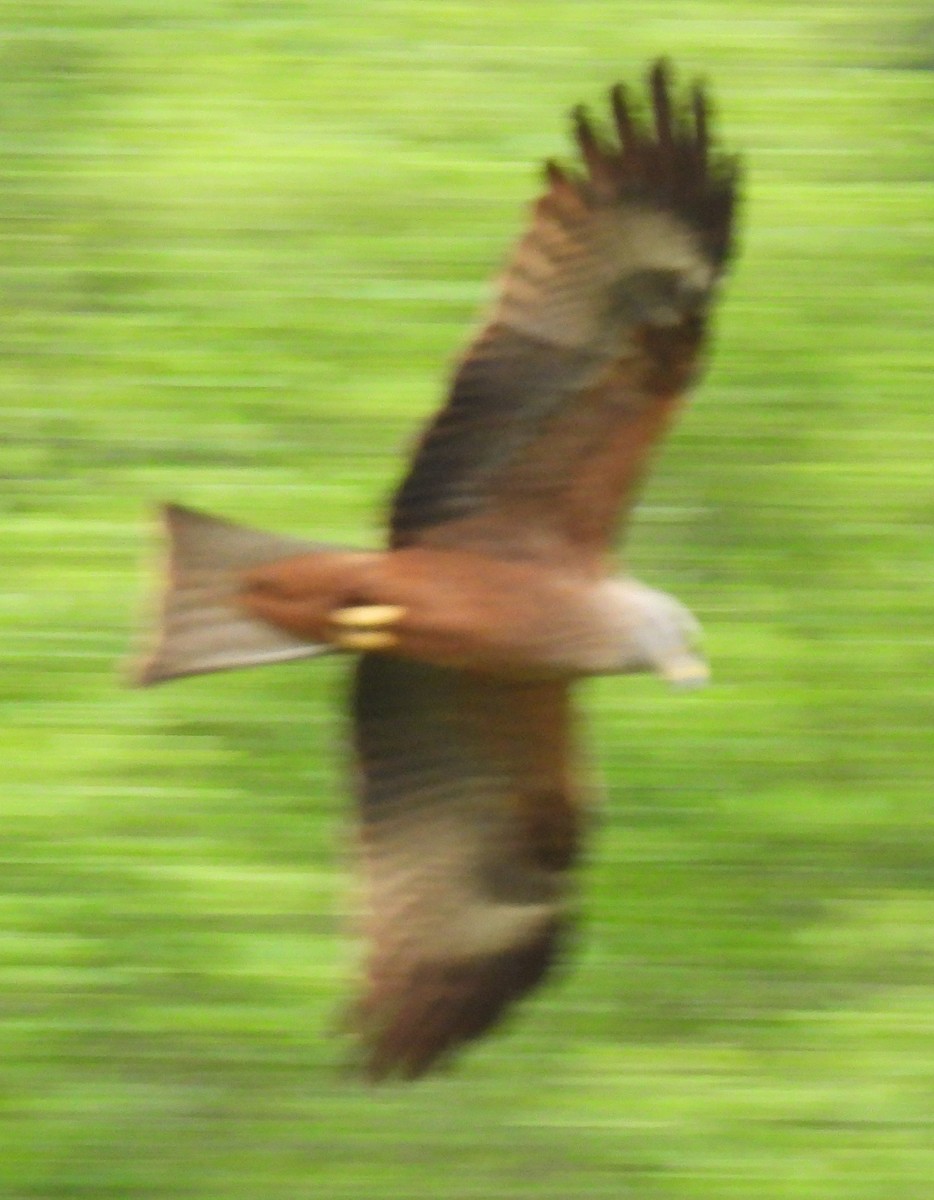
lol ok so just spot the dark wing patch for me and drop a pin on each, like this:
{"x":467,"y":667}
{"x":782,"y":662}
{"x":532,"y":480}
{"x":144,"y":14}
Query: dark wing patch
{"x":469,"y":826}
{"x":505,"y":372}
{"x":635,"y":242}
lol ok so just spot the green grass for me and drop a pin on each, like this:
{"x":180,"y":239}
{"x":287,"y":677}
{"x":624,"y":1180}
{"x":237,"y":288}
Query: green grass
{"x":240,"y":242}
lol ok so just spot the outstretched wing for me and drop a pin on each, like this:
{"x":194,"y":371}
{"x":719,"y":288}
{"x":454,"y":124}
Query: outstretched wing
{"x":595,"y":332}
{"x":470,"y":822}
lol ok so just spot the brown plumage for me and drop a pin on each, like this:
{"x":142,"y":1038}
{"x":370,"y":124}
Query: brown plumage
{"x":495,"y":593}
{"x":470,"y":821}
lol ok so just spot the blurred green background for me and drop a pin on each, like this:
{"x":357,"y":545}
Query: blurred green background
{"x":241,"y":240}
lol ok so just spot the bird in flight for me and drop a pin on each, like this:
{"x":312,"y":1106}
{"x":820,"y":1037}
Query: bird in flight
{"x":497,"y":589}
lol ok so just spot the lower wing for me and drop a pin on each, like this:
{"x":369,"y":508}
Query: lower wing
{"x":470,"y":821}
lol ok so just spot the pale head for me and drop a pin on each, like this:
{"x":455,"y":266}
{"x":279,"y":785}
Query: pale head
{"x":656,"y":633}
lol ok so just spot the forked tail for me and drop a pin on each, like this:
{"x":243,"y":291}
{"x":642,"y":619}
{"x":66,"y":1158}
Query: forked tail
{"x":201,"y":626}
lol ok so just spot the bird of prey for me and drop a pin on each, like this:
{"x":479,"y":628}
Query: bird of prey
{"x":497,"y":589}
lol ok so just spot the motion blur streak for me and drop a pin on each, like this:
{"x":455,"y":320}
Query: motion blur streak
{"x":235,"y":236}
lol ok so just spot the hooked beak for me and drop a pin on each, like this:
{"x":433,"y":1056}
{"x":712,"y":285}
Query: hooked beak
{"x":686,"y":672}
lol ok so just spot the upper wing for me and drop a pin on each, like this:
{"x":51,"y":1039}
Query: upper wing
{"x":470,"y":823}
{"x":595,"y":331}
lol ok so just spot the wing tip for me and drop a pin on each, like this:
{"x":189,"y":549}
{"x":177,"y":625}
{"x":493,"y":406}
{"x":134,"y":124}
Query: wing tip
{"x":667,"y":153}
{"x":415,"y":1025}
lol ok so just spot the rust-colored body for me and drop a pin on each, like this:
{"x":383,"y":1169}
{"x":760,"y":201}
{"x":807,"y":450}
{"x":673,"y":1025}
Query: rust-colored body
{"x":456,"y":609}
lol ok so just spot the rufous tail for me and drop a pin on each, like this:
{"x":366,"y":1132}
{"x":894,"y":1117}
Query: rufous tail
{"x":201,"y":626}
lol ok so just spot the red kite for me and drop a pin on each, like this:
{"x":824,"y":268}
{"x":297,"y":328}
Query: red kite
{"x":496,"y":591}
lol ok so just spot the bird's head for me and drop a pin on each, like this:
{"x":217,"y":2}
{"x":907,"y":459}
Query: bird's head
{"x":658,"y":634}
